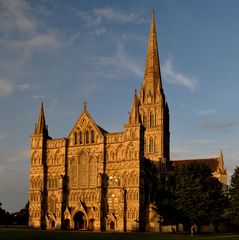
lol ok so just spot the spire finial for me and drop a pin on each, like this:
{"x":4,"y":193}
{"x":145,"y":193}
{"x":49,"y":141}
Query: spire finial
{"x":85,"y":104}
{"x":41,"y":128}
{"x":152,"y":77}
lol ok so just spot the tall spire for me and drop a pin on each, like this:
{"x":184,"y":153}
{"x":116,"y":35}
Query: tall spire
{"x":152,"y":77}
{"x":41,"y":127}
{"x":221,"y":161}
{"x":134,"y":114}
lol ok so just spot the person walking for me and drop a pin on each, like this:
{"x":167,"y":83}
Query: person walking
{"x":192,"y":230}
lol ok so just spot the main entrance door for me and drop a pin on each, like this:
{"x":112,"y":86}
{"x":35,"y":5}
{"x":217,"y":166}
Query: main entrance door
{"x":79,"y":221}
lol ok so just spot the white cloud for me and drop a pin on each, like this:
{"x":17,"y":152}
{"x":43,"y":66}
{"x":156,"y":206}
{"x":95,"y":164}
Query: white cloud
{"x":14,"y":16}
{"x":35,"y":43}
{"x":23,"y":87}
{"x":99,"y":15}
{"x":22,"y":30}
{"x":110,"y":14}
{"x":122,"y":60}
{"x":205,"y":112}
{"x":74,"y":37}
{"x":174,"y":77}
{"x":6,"y":87}
{"x":98,"y":31}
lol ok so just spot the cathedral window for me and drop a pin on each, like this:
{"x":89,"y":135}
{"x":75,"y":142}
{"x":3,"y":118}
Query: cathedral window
{"x":86,"y":137}
{"x":81,"y":137}
{"x":73,"y":173}
{"x":52,"y":205}
{"x":92,"y":136}
{"x":152,"y":120}
{"x":75,"y":138}
{"x":151,"y":145}
{"x":83,"y":170}
{"x":92,"y":172}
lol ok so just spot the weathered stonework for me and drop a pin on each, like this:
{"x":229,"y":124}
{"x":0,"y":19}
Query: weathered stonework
{"x":98,"y":180}
{"x":95,"y":180}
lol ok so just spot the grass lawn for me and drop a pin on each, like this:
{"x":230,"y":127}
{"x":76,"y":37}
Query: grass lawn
{"x":26,"y":234}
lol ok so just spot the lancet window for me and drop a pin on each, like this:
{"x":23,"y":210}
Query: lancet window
{"x":75,"y":138}
{"x":151,"y":145}
{"x":87,"y":137}
{"x":81,"y":137}
{"x":152,"y":120}
{"x":92,"y":136}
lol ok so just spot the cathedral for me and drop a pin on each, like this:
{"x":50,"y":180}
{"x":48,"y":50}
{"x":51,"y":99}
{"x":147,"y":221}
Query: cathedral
{"x":101,"y":181}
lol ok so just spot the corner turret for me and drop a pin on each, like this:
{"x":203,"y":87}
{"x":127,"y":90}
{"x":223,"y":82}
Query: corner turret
{"x":40,"y":127}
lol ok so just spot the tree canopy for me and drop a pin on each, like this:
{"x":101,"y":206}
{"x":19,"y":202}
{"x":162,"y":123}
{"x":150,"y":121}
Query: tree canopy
{"x":234,"y":197}
{"x":193,"y":195}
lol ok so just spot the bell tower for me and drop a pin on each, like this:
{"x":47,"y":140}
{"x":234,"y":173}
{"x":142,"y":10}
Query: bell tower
{"x":38,"y":173}
{"x":153,"y":107}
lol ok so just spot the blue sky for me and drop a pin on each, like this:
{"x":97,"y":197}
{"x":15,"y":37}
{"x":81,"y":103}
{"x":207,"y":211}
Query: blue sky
{"x":61,"y":52}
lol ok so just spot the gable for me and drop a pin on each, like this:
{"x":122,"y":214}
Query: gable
{"x":86,"y":131}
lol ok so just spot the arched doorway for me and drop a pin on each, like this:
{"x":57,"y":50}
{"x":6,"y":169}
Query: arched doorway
{"x":112,"y":226}
{"x":53,"y":224}
{"x":91,"y":224}
{"x":67,"y":224}
{"x":79,"y":221}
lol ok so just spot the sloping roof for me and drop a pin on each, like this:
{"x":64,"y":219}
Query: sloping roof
{"x":213,"y":162}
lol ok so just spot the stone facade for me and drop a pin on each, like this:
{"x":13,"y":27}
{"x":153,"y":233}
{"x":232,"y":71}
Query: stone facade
{"x":97,"y":180}
{"x":101,"y":181}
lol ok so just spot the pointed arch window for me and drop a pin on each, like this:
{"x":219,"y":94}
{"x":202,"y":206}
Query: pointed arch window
{"x":152,"y":120}
{"x":151,"y":145}
{"x":92,"y":136}
{"x":75,"y":138}
{"x":52,"y":204}
{"x":81,"y":137}
{"x":83,"y":170}
{"x":87,"y":137}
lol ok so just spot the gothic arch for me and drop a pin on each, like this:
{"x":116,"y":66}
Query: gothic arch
{"x":35,"y":159}
{"x":73,"y":172}
{"x":152,"y":119}
{"x":52,"y":203}
{"x":151,"y":144}
{"x":120,"y":153}
{"x":130,"y":151}
{"x":50,"y":159}
{"x":92,"y":172}
{"x":57,"y":158}
{"x":110,"y":154}
{"x":83,"y":169}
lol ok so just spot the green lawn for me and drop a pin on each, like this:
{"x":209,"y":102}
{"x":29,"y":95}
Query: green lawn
{"x":25,"y":234}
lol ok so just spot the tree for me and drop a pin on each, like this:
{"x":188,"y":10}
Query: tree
{"x":191,"y":195}
{"x":165,"y":202}
{"x":4,"y":215}
{"x":234,"y":197}
{"x":199,"y":196}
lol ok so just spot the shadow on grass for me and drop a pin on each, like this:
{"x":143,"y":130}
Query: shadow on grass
{"x":29,"y":234}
